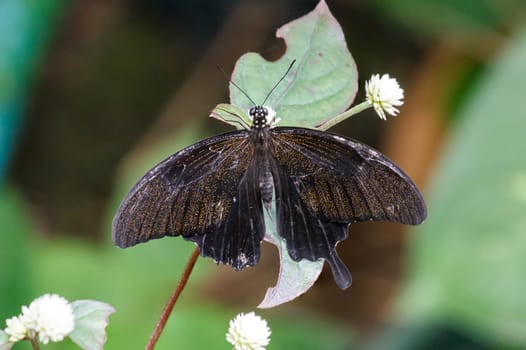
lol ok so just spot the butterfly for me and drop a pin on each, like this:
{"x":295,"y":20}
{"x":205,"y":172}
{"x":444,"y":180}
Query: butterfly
{"x":215,"y":191}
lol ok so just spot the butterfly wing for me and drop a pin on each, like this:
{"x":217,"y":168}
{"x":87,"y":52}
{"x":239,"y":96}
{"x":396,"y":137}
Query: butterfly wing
{"x":205,"y":193}
{"x":237,"y":240}
{"x":324,"y":182}
{"x":343,"y":180}
{"x":307,"y":236}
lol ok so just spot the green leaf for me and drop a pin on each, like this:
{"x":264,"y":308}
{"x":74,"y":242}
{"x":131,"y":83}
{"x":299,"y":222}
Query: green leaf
{"x":91,"y":319}
{"x":295,"y":278}
{"x":231,"y":115}
{"x":4,"y":341}
{"x":321,"y":84}
{"x":468,"y":259}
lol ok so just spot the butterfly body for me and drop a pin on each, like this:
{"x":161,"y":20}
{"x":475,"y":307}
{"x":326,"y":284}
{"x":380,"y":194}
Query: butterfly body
{"x":213,"y":193}
{"x":260,"y":134}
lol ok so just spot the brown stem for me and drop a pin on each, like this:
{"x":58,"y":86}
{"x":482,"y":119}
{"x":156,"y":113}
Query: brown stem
{"x":173,"y":299}
{"x":34,"y":343}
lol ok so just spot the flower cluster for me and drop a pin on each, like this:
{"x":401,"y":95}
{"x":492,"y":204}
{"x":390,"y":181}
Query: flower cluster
{"x":50,"y":317}
{"x":248,"y":332}
{"x":384,"y":94}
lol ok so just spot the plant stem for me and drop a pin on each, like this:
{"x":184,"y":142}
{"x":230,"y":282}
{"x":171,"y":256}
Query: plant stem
{"x":351,"y":111}
{"x":173,"y":299}
{"x":34,"y":343}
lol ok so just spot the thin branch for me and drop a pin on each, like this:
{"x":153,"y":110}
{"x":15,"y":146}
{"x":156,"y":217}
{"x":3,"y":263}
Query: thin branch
{"x":171,"y":302}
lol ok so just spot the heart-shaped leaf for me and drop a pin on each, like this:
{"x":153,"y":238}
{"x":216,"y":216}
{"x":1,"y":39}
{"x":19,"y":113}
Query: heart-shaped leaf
{"x":322,"y":82}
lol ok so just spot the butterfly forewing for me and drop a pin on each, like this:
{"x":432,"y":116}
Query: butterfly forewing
{"x":343,"y":180}
{"x":196,"y":193}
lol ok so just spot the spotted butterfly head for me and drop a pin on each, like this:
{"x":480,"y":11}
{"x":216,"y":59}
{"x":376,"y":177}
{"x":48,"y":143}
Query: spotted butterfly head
{"x":262,"y":116}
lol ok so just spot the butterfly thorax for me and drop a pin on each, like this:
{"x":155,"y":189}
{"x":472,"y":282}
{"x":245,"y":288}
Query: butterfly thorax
{"x":260,"y":132}
{"x":260,"y":124}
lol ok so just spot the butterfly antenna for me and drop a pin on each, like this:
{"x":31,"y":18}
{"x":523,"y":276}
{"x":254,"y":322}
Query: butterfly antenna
{"x":275,"y":86}
{"x":240,"y":89}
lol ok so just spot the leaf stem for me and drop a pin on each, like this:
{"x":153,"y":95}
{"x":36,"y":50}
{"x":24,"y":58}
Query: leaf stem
{"x":350,"y":112}
{"x":173,"y":299}
{"x":34,"y":343}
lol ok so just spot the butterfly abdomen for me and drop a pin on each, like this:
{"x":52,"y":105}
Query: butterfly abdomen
{"x":266,"y":184}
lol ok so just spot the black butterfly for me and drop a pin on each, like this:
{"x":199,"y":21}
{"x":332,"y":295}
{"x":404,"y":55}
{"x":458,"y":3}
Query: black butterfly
{"x":213,"y":193}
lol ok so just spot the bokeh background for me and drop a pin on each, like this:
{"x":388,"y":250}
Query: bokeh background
{"x":94,"y":92}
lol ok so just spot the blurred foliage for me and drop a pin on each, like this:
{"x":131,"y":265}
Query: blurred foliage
{"x":467,"y":261}
{"x":461,"y":20}
{"x":15,"y":250}
{"x":425,"y":336}
{"x":24,"y":29}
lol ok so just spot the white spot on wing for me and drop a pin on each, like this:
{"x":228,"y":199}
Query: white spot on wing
{"x":242,"y":258}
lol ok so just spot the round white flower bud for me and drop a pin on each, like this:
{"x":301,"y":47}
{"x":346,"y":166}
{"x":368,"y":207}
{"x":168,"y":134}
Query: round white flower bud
{"x":50,"y":316}
{"x":384,"y":94}
{"x":16,"y":329}
{"x":248,"y":332}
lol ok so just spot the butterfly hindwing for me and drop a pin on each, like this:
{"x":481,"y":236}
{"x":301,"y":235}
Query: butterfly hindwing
{"x":237,"y":240}
{"x":343,"y":180}
{"x":194,"y":193}
{"x":307,"y":236}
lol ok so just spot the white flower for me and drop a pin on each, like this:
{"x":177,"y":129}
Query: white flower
{"x":248,"y":332}
{"x":50,"y":316}
{"x":16,"y":329}
{"x":384,"y":94}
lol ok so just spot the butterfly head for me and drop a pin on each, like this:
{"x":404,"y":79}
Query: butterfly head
{"x":262,"y":117}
